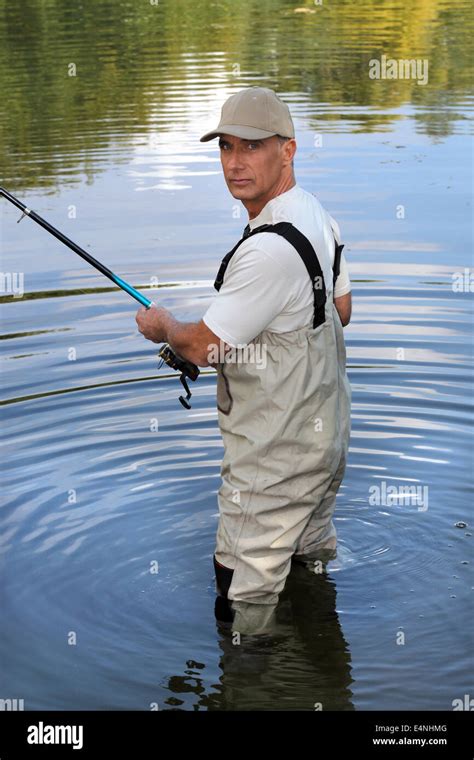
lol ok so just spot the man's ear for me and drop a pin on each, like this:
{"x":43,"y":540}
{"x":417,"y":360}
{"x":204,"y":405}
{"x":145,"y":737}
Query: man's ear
{"x":289,"y":150}
{"x":291,"y":147}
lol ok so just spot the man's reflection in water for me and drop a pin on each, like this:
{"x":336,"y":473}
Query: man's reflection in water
{"x":292,"y":656}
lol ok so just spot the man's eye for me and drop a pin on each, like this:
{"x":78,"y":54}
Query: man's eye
{"x":252,"y":146}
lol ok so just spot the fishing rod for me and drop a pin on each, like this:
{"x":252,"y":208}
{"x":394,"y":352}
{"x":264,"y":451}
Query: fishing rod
{"x":166,"y":354}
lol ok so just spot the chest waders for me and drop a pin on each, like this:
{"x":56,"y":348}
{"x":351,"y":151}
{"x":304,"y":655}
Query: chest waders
{"x":285,"y":424}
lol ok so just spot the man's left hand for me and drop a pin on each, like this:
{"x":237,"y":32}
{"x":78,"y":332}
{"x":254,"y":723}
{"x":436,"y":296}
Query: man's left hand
{"x":151,"y":323}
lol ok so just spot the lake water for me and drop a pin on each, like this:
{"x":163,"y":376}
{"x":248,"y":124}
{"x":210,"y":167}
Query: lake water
{"x":106,"y":477}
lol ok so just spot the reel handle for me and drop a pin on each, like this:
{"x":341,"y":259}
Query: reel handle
{"x":187,"y":369}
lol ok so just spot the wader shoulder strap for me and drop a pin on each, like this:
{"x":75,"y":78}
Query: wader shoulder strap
{"x":303,"y":246}
{"x":225,"y":261}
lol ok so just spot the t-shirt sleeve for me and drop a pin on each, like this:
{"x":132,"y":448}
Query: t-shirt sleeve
{"x":343,"y":283}
{"x":255,"y":290}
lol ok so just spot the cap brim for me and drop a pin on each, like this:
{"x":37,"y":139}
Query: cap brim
{"x":237,"y":130}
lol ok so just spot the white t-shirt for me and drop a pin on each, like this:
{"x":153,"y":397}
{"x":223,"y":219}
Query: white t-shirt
{"x":266,"y":284}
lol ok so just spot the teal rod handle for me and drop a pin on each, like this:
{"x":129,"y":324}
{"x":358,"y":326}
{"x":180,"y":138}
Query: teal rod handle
{"x":133,"y":292}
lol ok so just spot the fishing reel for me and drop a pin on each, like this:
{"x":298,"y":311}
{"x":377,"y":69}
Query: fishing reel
{"x":187,"y":369}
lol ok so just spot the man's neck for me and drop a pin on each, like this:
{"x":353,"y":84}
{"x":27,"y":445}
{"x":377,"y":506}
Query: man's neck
{"x":254,"y":207}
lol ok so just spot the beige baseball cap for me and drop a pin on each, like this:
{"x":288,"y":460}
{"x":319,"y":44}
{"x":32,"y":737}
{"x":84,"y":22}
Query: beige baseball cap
{"x":253,"y":114}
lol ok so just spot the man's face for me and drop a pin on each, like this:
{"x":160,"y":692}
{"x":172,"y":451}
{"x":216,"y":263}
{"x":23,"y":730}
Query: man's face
{"x":252,"y":168}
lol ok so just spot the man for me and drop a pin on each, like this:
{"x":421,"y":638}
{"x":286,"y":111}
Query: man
{"x":284,"y":292}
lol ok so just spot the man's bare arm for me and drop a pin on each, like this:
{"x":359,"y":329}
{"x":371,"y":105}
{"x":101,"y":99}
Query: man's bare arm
{"x":191,"y":340}
{"x":343,"y":305}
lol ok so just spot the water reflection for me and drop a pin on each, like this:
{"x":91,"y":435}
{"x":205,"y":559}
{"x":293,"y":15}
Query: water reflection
{"x":91,"y":495}
{"x":81,"y":81}
{"x":300,"y":662}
